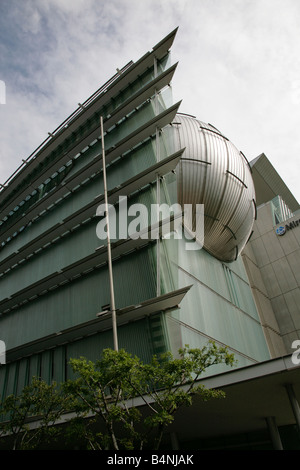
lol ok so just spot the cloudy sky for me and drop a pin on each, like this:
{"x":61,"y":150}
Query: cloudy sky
{"x":239,"y":67}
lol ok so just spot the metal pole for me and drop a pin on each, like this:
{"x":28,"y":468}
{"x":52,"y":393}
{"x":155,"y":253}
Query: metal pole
{"x":157,"y":189}
{"x":158,"y":203}
{"x":111,"y":282}
{"x":294,"y":403}
{"x":274,"y":433}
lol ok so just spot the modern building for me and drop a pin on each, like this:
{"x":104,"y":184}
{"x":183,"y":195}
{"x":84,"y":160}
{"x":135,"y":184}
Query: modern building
{"x":181,"y":277}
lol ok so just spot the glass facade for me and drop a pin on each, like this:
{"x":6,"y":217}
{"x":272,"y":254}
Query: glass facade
{"x":280,"y":210}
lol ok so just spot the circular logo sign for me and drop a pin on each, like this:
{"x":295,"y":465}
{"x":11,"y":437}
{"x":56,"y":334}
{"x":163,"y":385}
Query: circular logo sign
{"x":280,"y":230}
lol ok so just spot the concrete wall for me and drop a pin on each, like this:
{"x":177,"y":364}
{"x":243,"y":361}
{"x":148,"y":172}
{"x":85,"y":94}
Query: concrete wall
{"x":273,"y":266}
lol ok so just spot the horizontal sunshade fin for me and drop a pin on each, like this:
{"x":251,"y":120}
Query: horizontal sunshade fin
{"x":81,"y":267}
{"x":139,"y":97}
{"x":55,"y":195}
{"x":127,"y":188}
{"x":121,"y":82}
{"x":142,"y":133}
{"x":163,"y":303}
{"x":146,"y":92}
{"x":125,"y":144}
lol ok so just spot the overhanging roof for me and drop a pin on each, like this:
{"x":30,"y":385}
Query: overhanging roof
{"x":253,"y":393}
{"x":268,"y":184}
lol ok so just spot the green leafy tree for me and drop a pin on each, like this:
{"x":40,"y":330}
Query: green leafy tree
{"x":111,"y":390}
{"x":108,"y":388}
{"x":38,"y":402}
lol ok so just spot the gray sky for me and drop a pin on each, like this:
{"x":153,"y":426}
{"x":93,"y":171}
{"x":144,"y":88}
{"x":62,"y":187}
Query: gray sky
{"x":239,"y":67}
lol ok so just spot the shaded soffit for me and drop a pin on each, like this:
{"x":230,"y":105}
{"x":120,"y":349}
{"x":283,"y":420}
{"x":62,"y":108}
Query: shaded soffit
{"x":253,"y":393}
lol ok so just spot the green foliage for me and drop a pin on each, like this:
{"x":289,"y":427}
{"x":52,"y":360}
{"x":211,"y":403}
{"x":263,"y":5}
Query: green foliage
{"x":110,"y":392}
{"x":111,"y":387}
{"x":38,"y":401}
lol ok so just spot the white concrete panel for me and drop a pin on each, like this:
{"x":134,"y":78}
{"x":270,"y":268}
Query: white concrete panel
{"x":284,"y":275}
{"x":294,"y":262}
{"x":272,"y":245}
{"x":261,"y":255}
{"x":292,"y":300}
{"x":270,"y":280}
{"x":282,"y":314}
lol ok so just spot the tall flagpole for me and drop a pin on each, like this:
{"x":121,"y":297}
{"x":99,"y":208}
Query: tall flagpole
{"x":111,"y":282}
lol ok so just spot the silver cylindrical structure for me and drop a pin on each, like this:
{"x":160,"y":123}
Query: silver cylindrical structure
{"x":213,"y":172}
